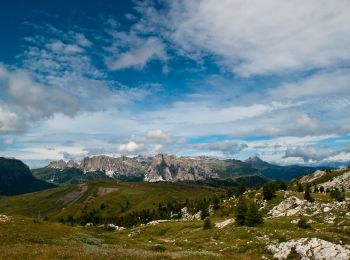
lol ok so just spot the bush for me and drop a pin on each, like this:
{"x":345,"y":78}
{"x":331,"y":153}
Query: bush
{"x":307,"y":194}
{"x":241,"y":212}
{"x":303,"y":224}
{"x":321,"y":189}
{"x":337,"y":195}
{"x":253,"y":217}
{"x":300,"y":188}
{"x":269,"y":192}
{"x":207,"y":224}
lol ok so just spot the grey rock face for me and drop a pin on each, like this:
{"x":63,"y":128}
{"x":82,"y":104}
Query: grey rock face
{"x":159,"y":168}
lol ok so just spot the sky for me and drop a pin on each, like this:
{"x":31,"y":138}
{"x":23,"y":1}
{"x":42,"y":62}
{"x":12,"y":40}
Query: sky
{"x":228,"y":79}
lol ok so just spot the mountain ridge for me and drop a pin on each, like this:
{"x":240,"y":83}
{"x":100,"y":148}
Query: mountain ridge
{"x":16,"y":178}
{"x":165,"y":167}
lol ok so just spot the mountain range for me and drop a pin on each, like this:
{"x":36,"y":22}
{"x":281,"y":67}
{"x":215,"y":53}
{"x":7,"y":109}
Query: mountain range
{"x":164,"y":167}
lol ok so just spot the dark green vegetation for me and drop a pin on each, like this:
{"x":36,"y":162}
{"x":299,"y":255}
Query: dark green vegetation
{"x":277,"y":172}
{"x":106,"y":201}
{"x":16,"y":178}
{"x":67,"y":176}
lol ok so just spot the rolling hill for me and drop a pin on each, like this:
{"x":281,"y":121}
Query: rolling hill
{"x":16,"y":178}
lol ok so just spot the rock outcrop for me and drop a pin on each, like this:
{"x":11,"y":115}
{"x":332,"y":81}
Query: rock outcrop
{"x":310,"y":248}
{"x":160,"y":167}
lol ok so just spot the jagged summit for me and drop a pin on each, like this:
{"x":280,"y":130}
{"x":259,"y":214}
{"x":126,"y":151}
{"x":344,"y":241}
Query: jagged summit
{"x":161,"y":167}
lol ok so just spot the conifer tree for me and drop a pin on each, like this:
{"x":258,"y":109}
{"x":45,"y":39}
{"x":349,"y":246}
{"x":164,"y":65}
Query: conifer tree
{"x":253,"y":217}
{"x":307,"y":194}
{"x":241,"y":212}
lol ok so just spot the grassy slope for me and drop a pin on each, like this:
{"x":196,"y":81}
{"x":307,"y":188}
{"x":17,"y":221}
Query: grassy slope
{"x":24,"y":238}
{"x":140,"y":196}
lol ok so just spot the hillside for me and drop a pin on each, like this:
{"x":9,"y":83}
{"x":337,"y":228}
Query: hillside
{"x":29,"y":228}
{"x":277,"y":172}
{"x":16,"y":178}
{"x":107,"y":197}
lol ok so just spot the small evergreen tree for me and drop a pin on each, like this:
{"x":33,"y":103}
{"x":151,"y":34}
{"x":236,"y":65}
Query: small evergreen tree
{"x":300,"y":188}
{"x":229,"y":193}
{"x":337,"y":195}
{"x":253,"y":217}
{"x":303,"y":224}
{"x":307,"y":194}
{"x":204,"y":211}
{"x":240,"y":190}
{"x":321,"y":189}
{"x":241,"y":212}
{"x":216,"y":203}
{"x":207,"y":224}
{"x":268,"y":192}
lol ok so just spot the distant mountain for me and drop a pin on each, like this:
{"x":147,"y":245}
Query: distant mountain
{"x":151,"y":169}
{"x":278,"y":172}
{"x":16,"y":178}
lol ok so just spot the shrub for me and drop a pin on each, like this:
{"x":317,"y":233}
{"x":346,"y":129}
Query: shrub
{"x":307,"y":194}
{"x":207,"y":224}
{"x":303,"y":224}
{"x":337,"y":195}
{"x":300,"y":188}
{"x":253,"y":217}
{"x":268,"y":192}
{"x":241,"y":212}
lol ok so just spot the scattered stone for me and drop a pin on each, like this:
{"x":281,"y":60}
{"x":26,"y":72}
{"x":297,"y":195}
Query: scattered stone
{"x":224,"y":223}
{"x":156,"y":222}
{"x":4,"y":218}
{"x":310,"y":248}
{"x":117,"y":228}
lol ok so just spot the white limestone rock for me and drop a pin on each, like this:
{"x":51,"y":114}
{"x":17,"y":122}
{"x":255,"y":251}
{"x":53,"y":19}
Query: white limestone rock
{"x":310,"y":248}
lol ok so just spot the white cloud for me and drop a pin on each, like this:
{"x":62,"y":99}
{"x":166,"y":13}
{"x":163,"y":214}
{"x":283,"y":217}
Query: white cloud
{"x":310,"y":153}
{"x":157,"y":135}
{"x":257,"y":37}
{"x":321,"y":84}
{"x":137,"y":57}
{"x":10,"y":122}
{"x":130,"y":148}
{"x":227,"y":148}
{"x":34,"y":99}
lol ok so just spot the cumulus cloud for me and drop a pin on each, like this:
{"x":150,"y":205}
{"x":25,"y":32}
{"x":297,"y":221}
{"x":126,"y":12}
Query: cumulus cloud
{"x":157,"y":135}
{"x":257,"y":37}
{"x":32,"y":98}
{"x":310,"y":153}
{"x":130,"y":148}
{"x":10,"y":122}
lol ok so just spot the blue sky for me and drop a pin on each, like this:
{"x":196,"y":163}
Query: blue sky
{"x":230,"y":80}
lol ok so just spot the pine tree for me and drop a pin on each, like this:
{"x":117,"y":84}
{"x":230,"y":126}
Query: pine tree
{"x":321,"y":189}
{"x":240,"y":190}
{"x":241,"y":212}
{"x":268,"y":192}
{"x":207,"y":224}
{"x":216,"y":203}
{"x":254,"y":217}
{"x":300,"y":188}
{"x":307,"y":194}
